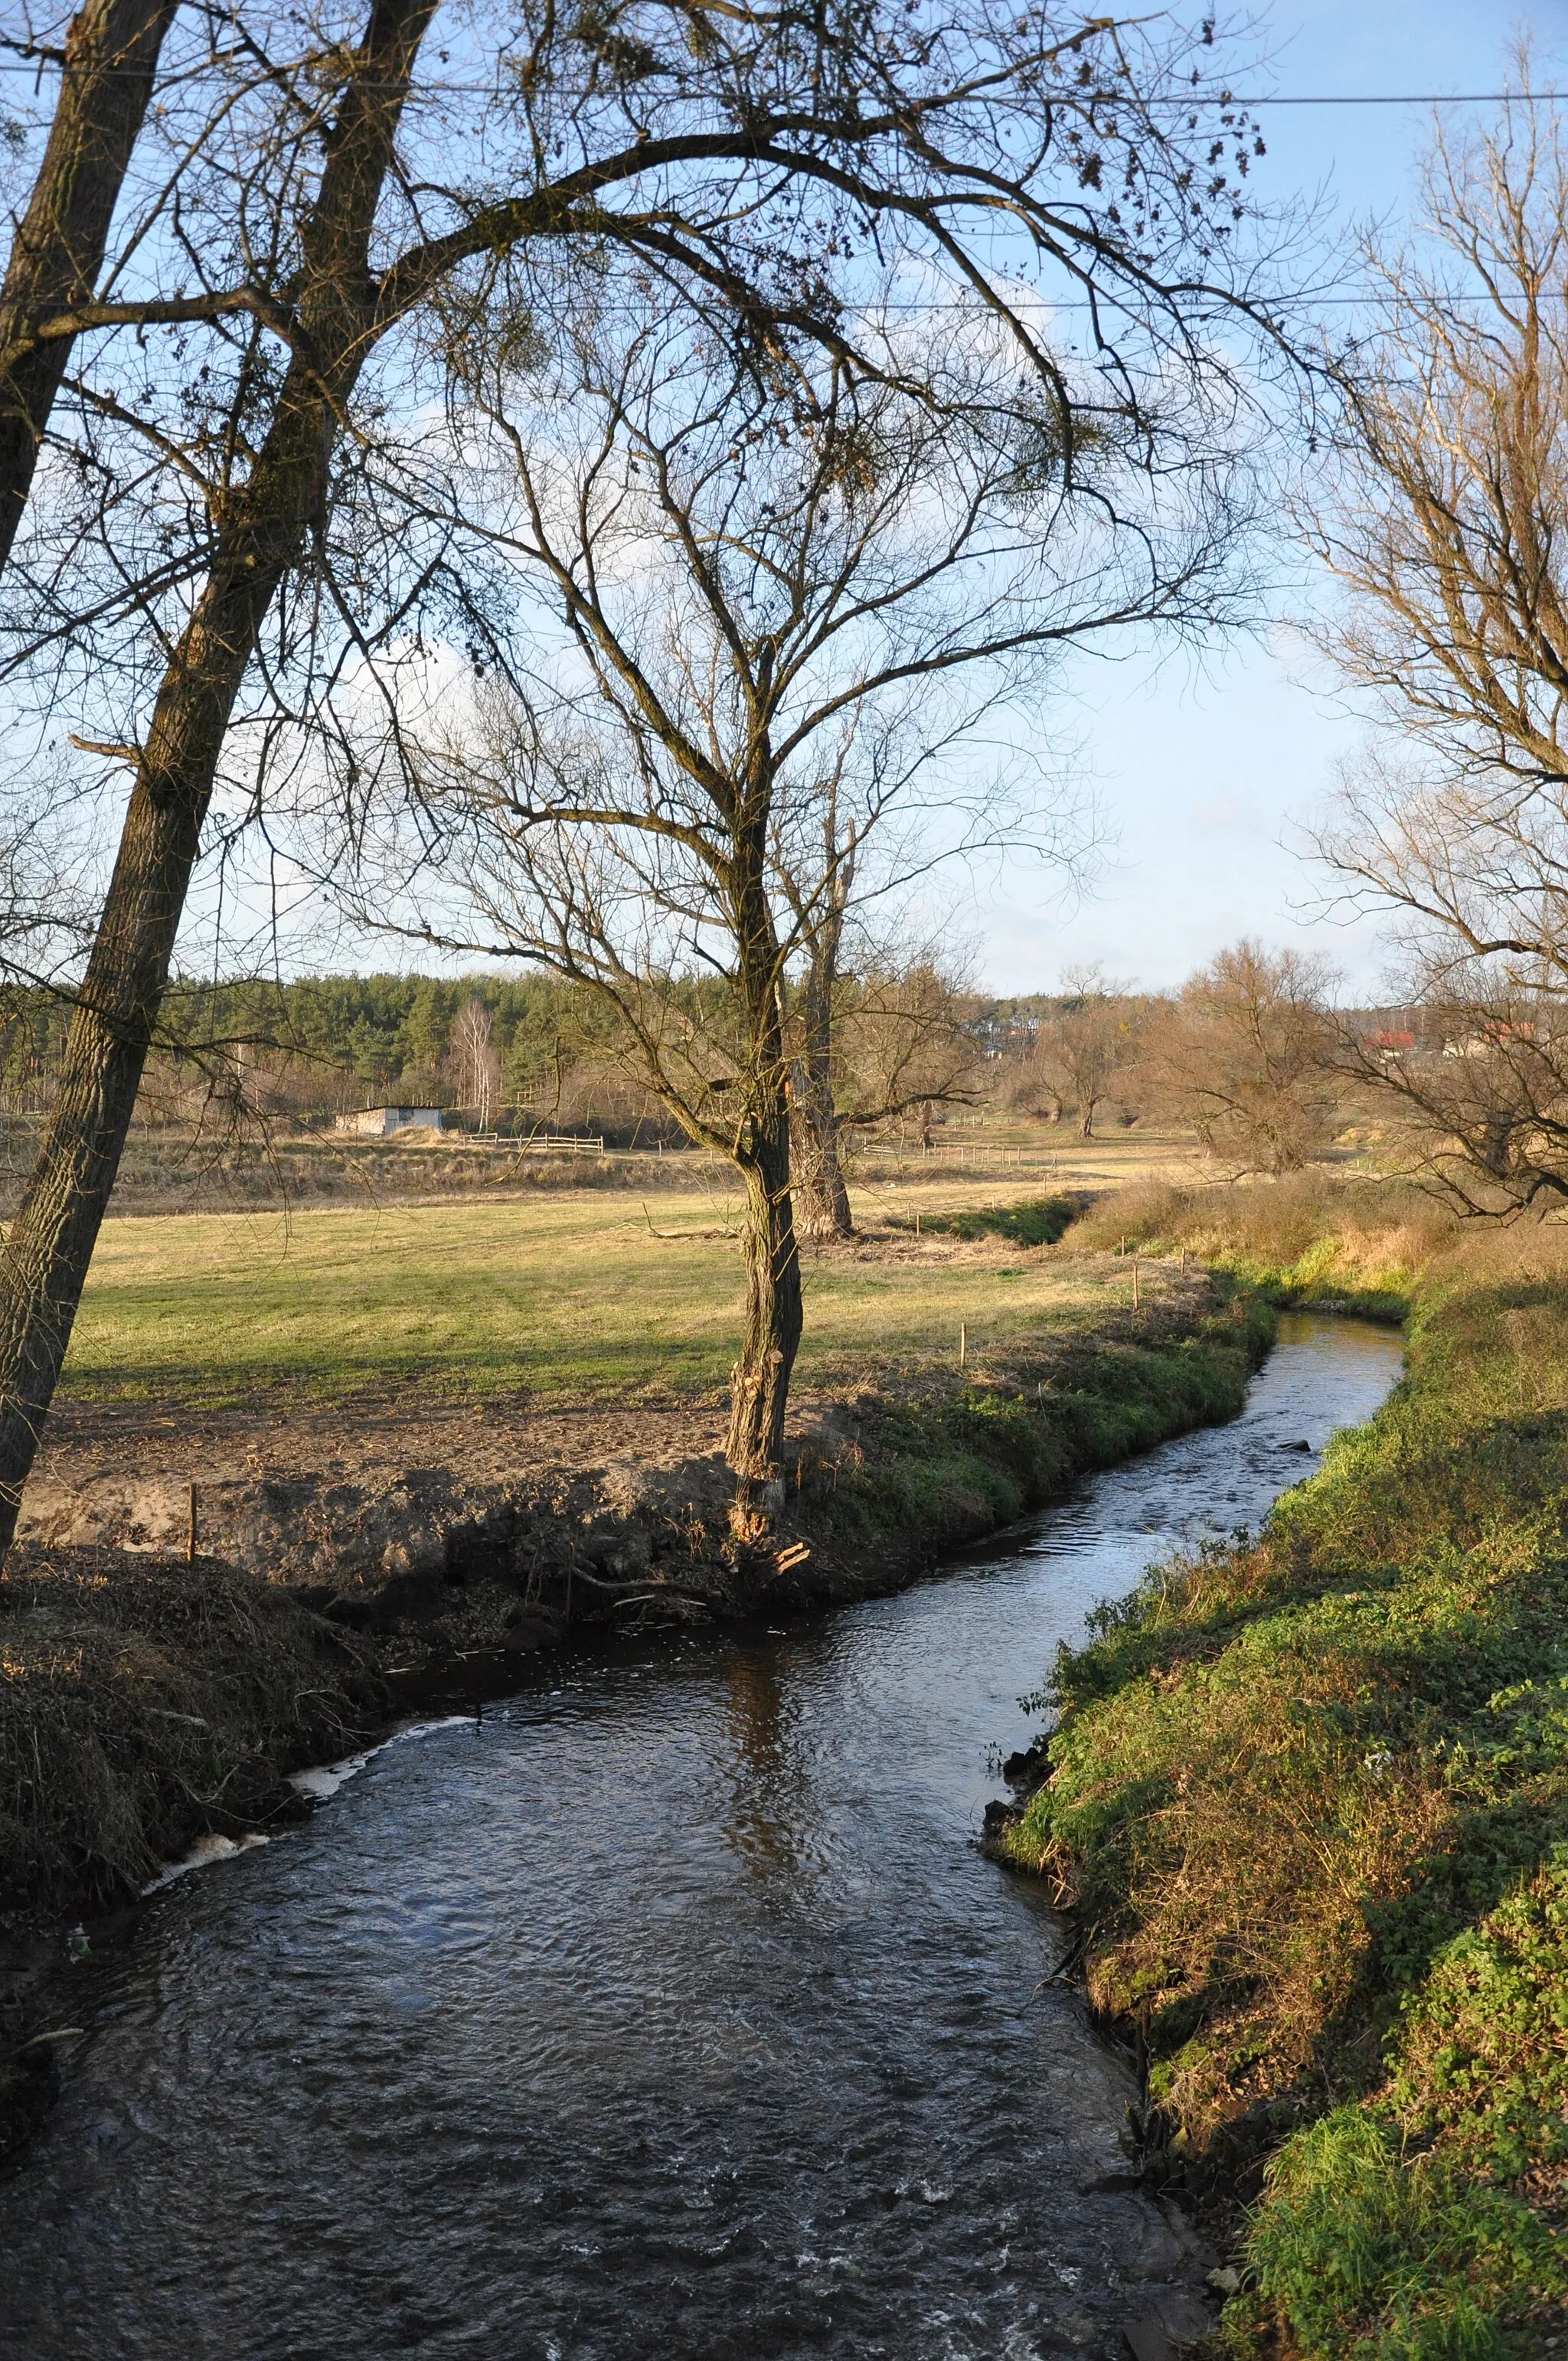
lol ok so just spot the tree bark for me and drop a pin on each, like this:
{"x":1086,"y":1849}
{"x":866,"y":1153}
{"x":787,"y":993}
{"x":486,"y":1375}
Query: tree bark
{"x":821,"y":1195}
{"x":50,"y":1242}
{"x":111,"y":56}
{"x":823,"y":1199}
{"x":759,"y":1383}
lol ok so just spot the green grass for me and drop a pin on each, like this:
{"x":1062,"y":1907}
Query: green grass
{"x":1037,"y":1221}
{"x":1312,"y":1798}
{"x":569,"y":1294}
{"x":952,"y":1460}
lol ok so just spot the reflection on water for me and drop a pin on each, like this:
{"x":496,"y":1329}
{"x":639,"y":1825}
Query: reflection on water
{"x":667,"y":2010}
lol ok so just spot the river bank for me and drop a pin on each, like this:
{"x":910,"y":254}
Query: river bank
{"x":1308,"y":1798}
{"x":665,"y":2006}
{"x":150,"y":1699}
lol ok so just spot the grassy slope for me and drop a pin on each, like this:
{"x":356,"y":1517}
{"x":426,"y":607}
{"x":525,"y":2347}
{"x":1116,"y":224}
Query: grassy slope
{"x":1311,"y":1799}
{"x":948,"y":1459}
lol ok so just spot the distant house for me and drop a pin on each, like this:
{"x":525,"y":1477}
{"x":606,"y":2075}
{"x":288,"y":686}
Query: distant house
{"x":376,"y":1122}
{"x":1385,"y":1046}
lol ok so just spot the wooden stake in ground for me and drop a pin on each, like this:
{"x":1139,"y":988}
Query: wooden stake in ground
{"x":963,"y":1344}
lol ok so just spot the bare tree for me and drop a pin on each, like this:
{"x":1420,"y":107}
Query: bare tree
{"x":879,"y":1023}
{"x":1089,"y":1040}
{"x":751,"y":571}
{"x":1246,"y":1055}
{"x":475,"y":1063}
{"x":905,"y":1039}
{"x":819,"y":903}
{"x":1445,"y":519}
{"x":258,"y":481}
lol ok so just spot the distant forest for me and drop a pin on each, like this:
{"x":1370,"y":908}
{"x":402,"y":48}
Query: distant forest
{"x":327,"y":1043}
{"x":323,"y":1045}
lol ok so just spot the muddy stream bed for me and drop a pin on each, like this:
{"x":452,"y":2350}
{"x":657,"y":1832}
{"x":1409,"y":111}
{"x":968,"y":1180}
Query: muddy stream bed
{"x":666,"y":2009}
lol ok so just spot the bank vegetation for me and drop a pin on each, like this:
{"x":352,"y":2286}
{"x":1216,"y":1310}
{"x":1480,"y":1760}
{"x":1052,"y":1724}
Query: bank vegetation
{"x":1307,"y":1800}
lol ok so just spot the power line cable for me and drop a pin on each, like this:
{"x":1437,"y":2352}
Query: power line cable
{"x":35,"y":68}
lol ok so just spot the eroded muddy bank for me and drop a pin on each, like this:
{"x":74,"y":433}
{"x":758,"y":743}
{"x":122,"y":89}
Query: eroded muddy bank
{"x":149,"y":1700}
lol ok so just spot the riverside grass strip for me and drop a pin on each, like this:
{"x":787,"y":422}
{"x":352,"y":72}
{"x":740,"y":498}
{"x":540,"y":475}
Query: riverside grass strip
{"x":1309,"y":1798}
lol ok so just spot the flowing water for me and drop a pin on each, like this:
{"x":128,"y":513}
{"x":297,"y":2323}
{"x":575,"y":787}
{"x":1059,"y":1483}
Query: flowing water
{"x":667,"y":2010}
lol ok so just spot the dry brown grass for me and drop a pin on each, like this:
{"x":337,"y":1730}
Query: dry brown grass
{"x":143,"y":1700}
{"x":1319,"y":1233}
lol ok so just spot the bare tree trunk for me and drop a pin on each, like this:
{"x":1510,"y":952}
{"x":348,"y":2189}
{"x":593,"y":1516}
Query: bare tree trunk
{"x":759,"y":1391}
{"x":822,"y":1198}
{"x":759,"y":1384}
{"x":111,"y":56}
{"x":819,"y":1178}
{"x":50,"y":1242}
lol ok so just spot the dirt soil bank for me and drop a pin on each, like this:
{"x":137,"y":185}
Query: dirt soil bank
{"x":347,"y":1563}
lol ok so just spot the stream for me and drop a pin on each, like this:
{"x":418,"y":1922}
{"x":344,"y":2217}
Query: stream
{"x":665,"y":2010}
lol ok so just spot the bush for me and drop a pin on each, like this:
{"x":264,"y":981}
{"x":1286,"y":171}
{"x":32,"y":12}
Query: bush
{"x":1351,"y":1238}
{"x":1037,"y":1221}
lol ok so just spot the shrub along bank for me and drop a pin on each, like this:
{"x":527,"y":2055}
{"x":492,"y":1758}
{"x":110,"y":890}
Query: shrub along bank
{"x":1350,"y":1240}
{"x":1309,"y":1797}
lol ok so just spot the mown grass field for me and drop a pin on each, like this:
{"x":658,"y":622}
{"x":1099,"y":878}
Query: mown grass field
{"x":581,"y":1294}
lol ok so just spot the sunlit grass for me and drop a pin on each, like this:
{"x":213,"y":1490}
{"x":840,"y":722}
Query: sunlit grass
{"x":578,"y":1293}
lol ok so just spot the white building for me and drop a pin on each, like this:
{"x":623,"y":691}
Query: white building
{"x":377,"y":1122}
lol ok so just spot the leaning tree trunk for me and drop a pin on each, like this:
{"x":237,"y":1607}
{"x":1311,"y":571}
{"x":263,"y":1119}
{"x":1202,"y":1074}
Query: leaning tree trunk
{"x":50,"y":1242}
{"x":759,"y":1382}
{"x":111,"y":55}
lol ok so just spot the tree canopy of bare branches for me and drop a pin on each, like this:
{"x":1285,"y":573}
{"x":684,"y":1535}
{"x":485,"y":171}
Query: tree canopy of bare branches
{"x":1446,"y":524}
{"x":1085,"y":1043}
{"x":784,"y":601}
{"x":1246,"y":1055}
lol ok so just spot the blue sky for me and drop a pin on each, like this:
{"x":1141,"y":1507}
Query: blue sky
{"x":1207,"y":775}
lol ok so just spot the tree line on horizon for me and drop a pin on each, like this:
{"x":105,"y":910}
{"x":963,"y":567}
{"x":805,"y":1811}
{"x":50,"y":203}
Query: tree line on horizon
{"x":1254,"y":1055}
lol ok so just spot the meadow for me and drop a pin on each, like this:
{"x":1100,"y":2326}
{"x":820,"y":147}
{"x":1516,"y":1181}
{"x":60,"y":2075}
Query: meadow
{"x":585,"y":1294}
